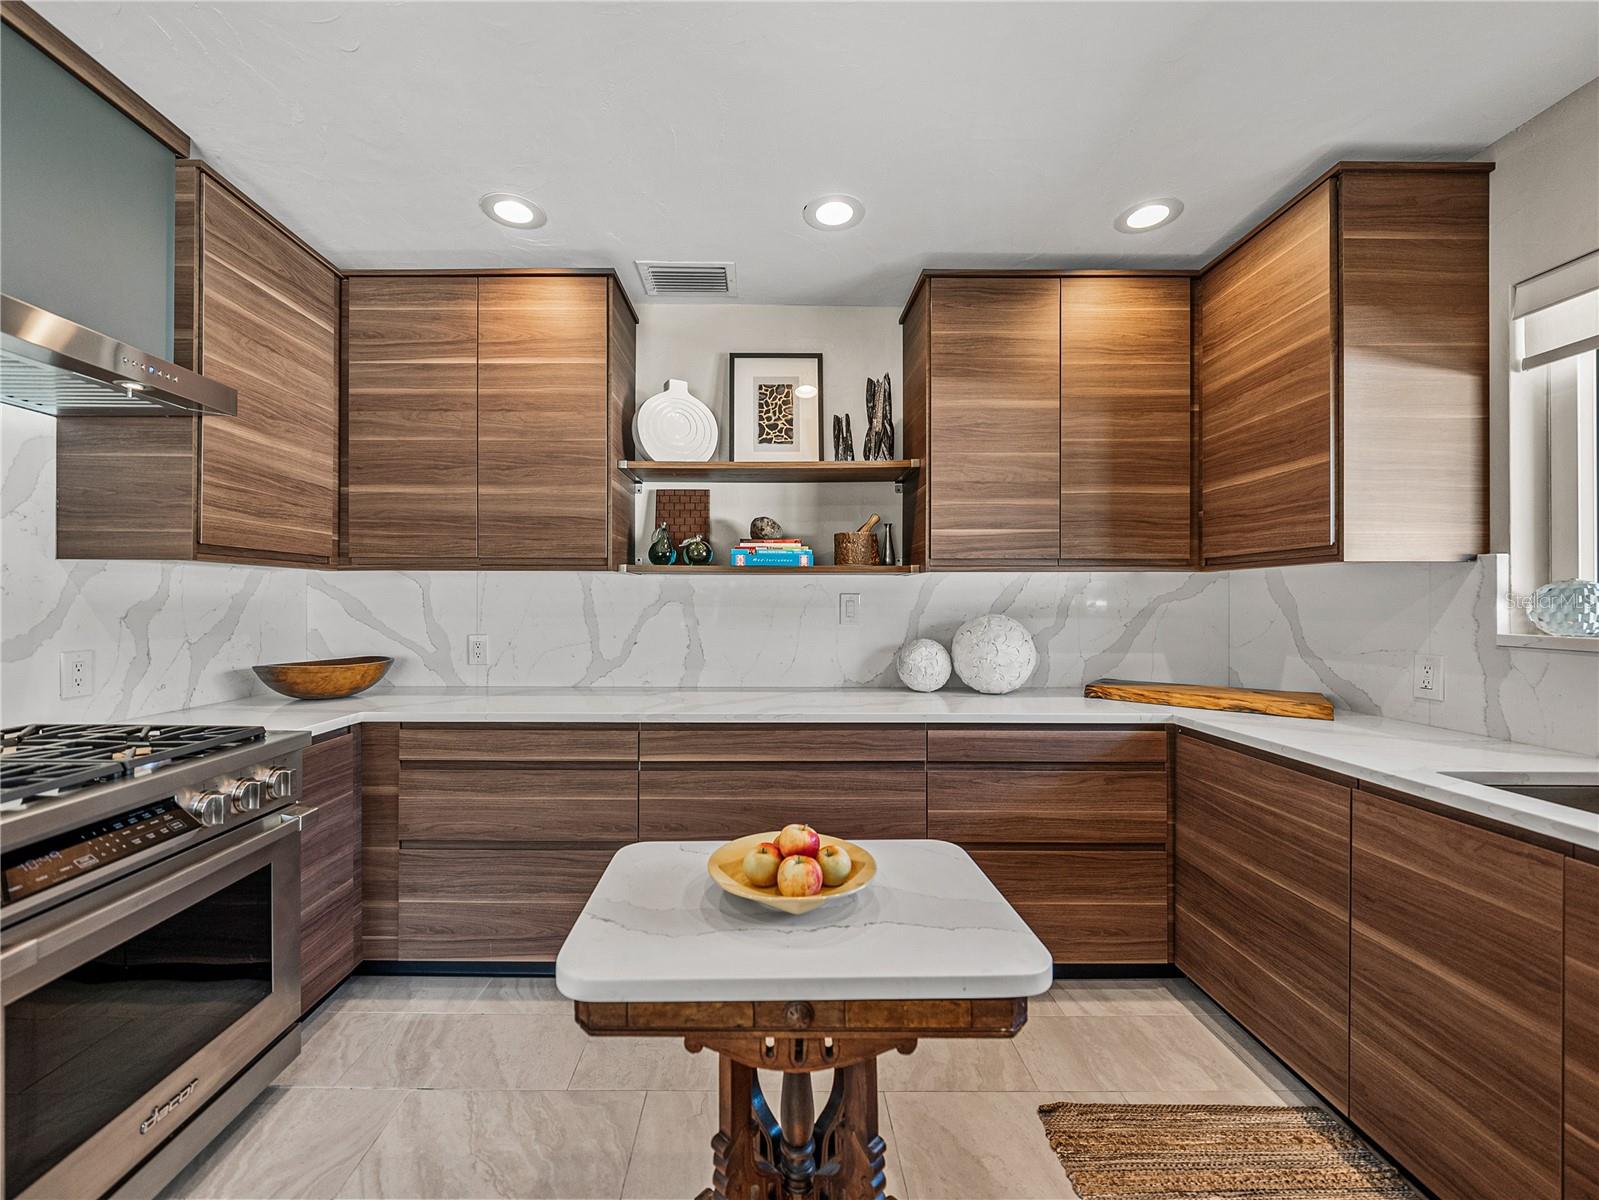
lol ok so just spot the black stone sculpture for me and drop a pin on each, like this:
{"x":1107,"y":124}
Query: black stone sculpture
{"x":879,"y":441}
{"x":843,"y":439}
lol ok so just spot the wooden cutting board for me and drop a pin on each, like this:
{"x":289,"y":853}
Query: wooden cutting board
{"x":1312,"y":705}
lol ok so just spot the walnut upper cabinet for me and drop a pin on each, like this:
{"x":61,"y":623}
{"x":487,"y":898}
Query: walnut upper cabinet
{"x":411,"y":418}
{"x":1341,"y":357}
{"x":989,"y":397}
{"x":484,"y":418}
{"x":1053,"y":416}
{"x":1124,"y":421}
{"x":256,"y":309}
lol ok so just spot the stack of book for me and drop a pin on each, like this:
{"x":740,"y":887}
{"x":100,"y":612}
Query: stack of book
{"x":772,"y":552}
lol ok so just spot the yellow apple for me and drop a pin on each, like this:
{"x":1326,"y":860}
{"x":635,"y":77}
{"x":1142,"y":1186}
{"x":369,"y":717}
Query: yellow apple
{"x":761,"y":863}
{"x":835,"y":864}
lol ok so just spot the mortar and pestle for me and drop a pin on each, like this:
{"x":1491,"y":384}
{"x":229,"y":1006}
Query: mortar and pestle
{"x":858,"y":548}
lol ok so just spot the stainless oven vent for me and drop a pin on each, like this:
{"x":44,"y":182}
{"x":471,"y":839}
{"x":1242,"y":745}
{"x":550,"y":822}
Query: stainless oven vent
{"x":53,"y":365}
{"x":688,"y":278}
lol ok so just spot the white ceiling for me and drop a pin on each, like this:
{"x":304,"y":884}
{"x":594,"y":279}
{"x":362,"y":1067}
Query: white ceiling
{"x":978,"y":134}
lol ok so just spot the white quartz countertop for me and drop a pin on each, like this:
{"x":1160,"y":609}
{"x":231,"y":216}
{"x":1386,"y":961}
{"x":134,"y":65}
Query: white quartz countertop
{"x":1405,"y":757}
{"x":930,"y":926}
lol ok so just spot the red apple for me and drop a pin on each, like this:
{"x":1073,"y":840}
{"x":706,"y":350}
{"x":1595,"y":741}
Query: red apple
{"x":835,"y":864}
{"x":799,"y":839}
{"x":799,"y":876}
{"x":761,"y":863}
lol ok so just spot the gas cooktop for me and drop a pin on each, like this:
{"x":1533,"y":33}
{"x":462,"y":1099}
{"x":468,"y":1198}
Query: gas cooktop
{"x":46,"y":761}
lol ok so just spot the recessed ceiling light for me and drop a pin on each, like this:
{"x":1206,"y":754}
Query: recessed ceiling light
{"x":510,"y":209}
{"x":834,"y":212}
{"x":1151,"y":214}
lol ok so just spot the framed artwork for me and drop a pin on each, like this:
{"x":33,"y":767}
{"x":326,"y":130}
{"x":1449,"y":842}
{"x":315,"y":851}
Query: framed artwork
{"x":775,"y":407}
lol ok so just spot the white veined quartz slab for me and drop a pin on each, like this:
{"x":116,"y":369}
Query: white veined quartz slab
{"x":929,"y":926}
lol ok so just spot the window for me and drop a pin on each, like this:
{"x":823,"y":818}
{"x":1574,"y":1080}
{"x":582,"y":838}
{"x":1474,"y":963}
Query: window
{"x":1554,"y":429}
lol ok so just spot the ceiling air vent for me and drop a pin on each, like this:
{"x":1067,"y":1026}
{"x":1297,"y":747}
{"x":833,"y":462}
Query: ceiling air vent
{"x":688,"y":278}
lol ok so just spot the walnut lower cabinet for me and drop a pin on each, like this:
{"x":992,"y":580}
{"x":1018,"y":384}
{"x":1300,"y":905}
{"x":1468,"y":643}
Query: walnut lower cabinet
{"x":1262,"y":911}
{"x":330,"y":865}
{"x":1582,"y":1030}
{"x":1456,"y":1002}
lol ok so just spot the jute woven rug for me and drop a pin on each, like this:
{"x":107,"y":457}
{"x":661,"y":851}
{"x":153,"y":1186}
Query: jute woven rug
{"x":1215,"y":1152}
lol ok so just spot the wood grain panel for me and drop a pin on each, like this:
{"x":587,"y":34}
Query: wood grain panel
{"x":268,"y":476}
{"x":1413,"y":261}
{"x":380,"y":840}
{"x":707,"y":801}
{"x":543,"y":438}
{"x":330,"y":865}
{"x":1124,"y":423}
{"x":1266,"y":390}
{"x":973,"y":805}
{"x":621,"y":367}
{"x":1087,"y":906}
{"x":412,"y":471}
{"x":913,"y":423}
{"x":492,"y":904}
{"x":125,"y":497}
{"x":330,"y":945}
{"x":1044,"y":743}
{"x":783,"y":743}
{"x":1582,"y":1031}
{"x":994,"y":421}
{"x":519,"y":743}
{"x":1262,"y":903}
{"x":1455,"y":1013}
{"x":547,"y":805}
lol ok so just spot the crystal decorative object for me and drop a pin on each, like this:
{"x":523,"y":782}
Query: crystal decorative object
{"x":1566,"y":608}
{"x":994,"y":653}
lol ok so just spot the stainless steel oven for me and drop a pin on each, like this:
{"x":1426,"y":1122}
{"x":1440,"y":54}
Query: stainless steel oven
{"x":133,"y":1006}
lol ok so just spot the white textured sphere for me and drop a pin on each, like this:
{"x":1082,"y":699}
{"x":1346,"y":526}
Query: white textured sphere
{"x":994,"y":653}
{"x":923,"y":665}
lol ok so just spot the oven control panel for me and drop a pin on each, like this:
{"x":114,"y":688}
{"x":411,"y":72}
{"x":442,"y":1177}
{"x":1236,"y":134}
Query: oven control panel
{"x":43,"y":865}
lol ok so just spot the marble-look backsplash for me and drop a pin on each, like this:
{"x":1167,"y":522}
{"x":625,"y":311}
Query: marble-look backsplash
{"x":166,"y":635}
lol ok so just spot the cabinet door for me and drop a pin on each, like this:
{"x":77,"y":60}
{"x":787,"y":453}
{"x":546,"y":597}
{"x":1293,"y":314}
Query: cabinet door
{"x":994,"y":420}
{"x":330,"y":866}
{"x":266,"y":323}
{"x":1582,"y":1030}
{"x":1266,"y":392}
{"x":543,"y":457}
{"x":1124,"y":421}
{"x":411,"y":418}
{"x":1262,"y":880}
{"x":1455,"y":1002}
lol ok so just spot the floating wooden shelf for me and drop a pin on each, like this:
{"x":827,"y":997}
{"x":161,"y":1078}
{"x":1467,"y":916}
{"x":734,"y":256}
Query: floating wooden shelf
{"x":717,"y":569}
{"x":882,"y":471}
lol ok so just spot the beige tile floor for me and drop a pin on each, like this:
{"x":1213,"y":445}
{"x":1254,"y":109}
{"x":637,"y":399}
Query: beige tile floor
{"x":452,"y":1088}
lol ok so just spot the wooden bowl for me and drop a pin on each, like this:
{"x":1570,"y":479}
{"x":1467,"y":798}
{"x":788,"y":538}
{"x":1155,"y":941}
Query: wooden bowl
{"x":325,"y":679}
{"x":726,"y":867}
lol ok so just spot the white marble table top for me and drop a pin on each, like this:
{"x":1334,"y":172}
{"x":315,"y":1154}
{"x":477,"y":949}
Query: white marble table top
{"x":929,"y":926}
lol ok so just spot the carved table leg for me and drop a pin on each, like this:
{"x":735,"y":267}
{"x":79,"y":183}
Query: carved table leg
{"x":851,"y":1154}
{"x":736,"y":1149}
{"x":798,"y":1123}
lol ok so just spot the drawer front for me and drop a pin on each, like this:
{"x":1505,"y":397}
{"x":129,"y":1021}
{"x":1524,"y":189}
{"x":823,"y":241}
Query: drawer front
{"x":519,"y":743}
{"x":1087,"y":906}
{"x":1044,"y":804}
{"x":499,"y":805}
{"x":874,"y":800}
{"x":783,"y":743}
{"x":1044,"y":743}
{"x":492,"y":904}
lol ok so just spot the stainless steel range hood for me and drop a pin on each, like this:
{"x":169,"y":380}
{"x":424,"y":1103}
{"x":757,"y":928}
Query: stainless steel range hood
{"x":52,"y":365}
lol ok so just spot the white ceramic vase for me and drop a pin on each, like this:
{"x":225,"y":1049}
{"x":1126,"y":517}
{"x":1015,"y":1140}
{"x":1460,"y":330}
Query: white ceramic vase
{"x":923,"y":665}
{"x":994,"y":653}
{"x":674,"y":426}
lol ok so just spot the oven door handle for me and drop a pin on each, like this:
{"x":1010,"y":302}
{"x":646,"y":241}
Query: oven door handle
{"x":157,"y":895}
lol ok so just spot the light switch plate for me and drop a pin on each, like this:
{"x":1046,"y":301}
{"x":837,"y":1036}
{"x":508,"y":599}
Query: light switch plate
{"x":1427,"y":677}
{"x":849,"y":608}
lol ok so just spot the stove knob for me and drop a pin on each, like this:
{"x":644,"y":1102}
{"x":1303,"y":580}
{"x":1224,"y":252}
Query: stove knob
{"x":245,"y":794}
{"x":209,"y":808}
{"x":280,"y":783}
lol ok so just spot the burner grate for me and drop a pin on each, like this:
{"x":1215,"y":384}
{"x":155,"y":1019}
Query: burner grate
{"x":45,"y":760}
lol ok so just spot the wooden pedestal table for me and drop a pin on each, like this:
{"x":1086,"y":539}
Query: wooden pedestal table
{"x":929,"y":950}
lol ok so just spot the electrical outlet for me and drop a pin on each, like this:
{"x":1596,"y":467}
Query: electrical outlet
{"x":849,"y":608}
{"x":77,"y":673}
{"x":477,"y":650}
{"x":1427,"y":677}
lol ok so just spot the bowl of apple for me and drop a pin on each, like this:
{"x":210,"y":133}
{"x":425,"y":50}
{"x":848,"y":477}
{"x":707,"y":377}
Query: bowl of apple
{"x":794,"y":869}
